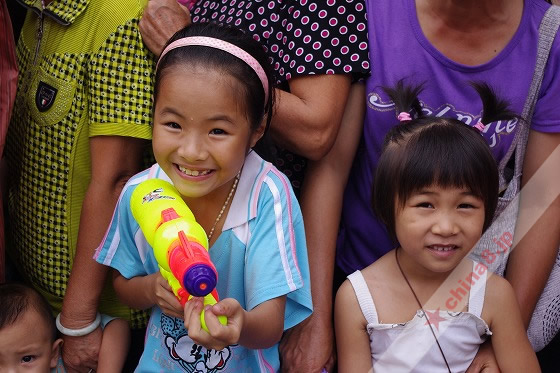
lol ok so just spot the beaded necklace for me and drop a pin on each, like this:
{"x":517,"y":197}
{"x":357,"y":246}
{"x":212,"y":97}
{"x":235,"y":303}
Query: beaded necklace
{"x":232,"y":190}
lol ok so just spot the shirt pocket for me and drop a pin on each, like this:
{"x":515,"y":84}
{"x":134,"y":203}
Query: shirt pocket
{"x":50,"y":98}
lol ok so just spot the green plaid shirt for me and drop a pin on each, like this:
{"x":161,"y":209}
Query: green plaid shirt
{"x":83,"y":72}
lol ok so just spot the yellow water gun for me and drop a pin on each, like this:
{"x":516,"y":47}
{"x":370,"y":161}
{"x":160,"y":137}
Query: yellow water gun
{"x":180,"y":244}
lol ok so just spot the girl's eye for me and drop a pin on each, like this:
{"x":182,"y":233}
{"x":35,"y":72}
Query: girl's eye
{"x":172,"y":125}
{"x":217,"y":131}
{"x":466,"y":206}
{"x":27,"y":358}
{"x":426,"y":205}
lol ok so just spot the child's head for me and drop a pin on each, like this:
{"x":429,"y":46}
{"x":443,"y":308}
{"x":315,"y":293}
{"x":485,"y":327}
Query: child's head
{"x":428,"y":152}
{"x":27,"y":331}
{"x":212,"y":93}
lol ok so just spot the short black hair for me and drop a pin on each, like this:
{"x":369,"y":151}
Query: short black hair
{"x":434,"y":151}
{"x":440,"y":151}
{"x":252,"y":88}
{"x":16,"y":299}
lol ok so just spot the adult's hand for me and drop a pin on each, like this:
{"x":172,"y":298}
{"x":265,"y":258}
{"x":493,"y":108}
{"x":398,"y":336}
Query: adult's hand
{"x":80,"y":353}
{"x":308,"y":346}
{"x":162,"y":19}
{"x":485,"y":360}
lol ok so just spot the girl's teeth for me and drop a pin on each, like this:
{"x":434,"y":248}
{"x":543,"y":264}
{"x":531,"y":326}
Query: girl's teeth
{"x":443,"y":248}
{"x":193,"y":172}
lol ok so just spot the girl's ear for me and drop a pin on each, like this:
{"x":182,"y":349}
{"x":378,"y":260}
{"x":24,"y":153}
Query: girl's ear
{"x":55,"y":352}
{"x":257,"y":134}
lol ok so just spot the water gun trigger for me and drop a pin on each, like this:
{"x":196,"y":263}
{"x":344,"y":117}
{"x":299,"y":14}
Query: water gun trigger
{"x":182,"y":296}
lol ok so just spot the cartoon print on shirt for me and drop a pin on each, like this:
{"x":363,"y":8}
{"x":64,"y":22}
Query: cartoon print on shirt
{"x":191,"y":356}
{"x":495,"y":130}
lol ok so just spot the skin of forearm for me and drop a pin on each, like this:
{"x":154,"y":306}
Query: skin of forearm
{"x":527,"y":272}
{"x":307,"y":119}
{"x":114,"y":160}
{"x":325,"y":180}
{"x":263,"y":325}
{"x":136,"y":292}
{"x":537,"y":232}
{"x":79,"y":306}
{"x":322,"y":220}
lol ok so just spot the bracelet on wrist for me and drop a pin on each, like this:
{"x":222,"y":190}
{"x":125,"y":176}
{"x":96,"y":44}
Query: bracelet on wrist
{"x":78,"y":332}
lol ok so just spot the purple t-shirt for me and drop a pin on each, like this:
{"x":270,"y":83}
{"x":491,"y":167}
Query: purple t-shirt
{"x":399,"y":49}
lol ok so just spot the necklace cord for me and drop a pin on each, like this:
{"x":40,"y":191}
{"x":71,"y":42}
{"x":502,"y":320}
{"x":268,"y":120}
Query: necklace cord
{"x":422,"y":308}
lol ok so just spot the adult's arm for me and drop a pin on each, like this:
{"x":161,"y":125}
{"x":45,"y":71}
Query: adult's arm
{"x":114,"y":159}
{"x":509,"y":339}
{"x":307,"y":118}
{"x":309,"y":346}
{"x":537,"y":236}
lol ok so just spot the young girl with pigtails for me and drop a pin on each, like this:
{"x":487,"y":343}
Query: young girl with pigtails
{"x":212,"y":103}
{"x":425,"y":306}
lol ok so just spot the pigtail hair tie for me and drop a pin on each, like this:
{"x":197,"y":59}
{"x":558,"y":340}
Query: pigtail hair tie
{"x":479,"y":126}
{"x":404,"y":116}
{"x":405,"y":99}
{"x":494,"y":108}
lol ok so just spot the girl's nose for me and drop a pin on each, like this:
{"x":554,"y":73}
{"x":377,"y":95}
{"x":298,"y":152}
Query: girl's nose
{"x":192,"y":149}
{"x":445,"y":225}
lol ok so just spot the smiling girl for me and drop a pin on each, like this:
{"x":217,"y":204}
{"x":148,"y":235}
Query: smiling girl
{"x":436,"y":189}
{"x":212,"y":103}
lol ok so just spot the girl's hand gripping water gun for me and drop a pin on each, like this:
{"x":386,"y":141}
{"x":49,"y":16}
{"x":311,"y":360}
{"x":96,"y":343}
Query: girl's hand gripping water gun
{"x":180,"y":244}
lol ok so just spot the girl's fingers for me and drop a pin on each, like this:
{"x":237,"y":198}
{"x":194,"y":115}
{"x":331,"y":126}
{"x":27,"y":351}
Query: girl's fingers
{"x":220,"y":308}
{"x":168,"y":300}
{"x":165,"y":284}
{"x":227,"y":307}
{"x":215,"y":328}
{"x":171,"y":305}
{"x":187,"y":311}
{"x":192,"y":314}
{"x":174,"y":302}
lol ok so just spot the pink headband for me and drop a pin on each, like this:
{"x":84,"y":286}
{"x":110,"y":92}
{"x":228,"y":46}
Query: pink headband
{"x":403,"y":116}
{"x":224,"y":46}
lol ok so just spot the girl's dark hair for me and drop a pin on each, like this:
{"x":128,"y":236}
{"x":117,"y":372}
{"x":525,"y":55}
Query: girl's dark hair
{"x":16,"y":299}
{"x":251,"y":88}
{"x":434,"y":150}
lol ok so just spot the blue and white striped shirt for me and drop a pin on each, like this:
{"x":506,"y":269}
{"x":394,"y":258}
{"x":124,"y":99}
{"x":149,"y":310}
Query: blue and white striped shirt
{"x":260,"y":254}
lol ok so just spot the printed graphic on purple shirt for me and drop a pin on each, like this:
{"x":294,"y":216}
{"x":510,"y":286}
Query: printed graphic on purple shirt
{"x":407,"y":54}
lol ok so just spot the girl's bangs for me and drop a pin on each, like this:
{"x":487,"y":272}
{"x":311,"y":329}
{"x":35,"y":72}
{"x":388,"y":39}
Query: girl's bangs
{"x":441,"y":155}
